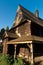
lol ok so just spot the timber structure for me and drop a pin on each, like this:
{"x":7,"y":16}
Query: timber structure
{"x":25,"y":38}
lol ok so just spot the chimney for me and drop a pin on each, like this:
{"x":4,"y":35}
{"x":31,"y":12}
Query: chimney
{"x":37,"y":13}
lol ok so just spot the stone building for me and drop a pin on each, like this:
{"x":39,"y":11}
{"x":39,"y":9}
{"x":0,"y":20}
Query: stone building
{"x":25,"y":38}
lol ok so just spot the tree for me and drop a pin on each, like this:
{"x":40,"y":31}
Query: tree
{"x":1,"y":37}
{"x":1,"y":33}
{"x":7,"y":28}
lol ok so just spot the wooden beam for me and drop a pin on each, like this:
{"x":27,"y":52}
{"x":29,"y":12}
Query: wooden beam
{"x":5,"y":46}
{"x":29,"y":27}
{"x":15,"y":51}
{"x":19,"y":42}
{"x":31,"y":53}
{"x":28,"y":45}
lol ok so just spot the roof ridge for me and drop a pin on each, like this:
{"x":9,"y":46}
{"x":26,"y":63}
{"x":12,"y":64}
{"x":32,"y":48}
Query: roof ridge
{"x":24,"y":9}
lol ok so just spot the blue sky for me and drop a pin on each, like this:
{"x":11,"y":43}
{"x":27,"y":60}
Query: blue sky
{"x":8,"y":10}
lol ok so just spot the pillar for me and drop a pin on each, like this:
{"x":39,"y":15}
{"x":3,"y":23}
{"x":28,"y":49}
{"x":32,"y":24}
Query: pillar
{"x":5,"y":46}
{"x":31,"y":53}
{"x":15,"y":51}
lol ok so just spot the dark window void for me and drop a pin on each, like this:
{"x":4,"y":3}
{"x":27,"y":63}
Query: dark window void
{"x":36,"y":29}
{"x":11,"y":49}
{"x":38,"y":49}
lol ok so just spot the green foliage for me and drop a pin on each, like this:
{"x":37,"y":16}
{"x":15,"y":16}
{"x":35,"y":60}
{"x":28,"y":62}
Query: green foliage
{"x":4,"y":60}
{"x":2,"y":30}
{"x":1,"y":33}
{"x":8,"y":60}
{"x":32,"y":64}
{"x":41,"y":64}
{"x":15,"y":62}
{"x":7,"y":28}
{"x":18,"y":61}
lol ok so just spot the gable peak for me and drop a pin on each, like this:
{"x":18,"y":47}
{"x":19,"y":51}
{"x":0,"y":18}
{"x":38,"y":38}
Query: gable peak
{"x":19,"y":8}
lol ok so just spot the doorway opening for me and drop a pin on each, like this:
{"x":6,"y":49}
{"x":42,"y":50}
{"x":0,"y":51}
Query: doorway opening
{"x":11,"y":49}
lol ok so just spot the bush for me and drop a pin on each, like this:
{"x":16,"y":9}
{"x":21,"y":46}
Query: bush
{"x":41,"y":63}
{"x":32,"y":64}
{"x":18,"y":61}
{"x":4,"y":60}
{"x":8,"y":60}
